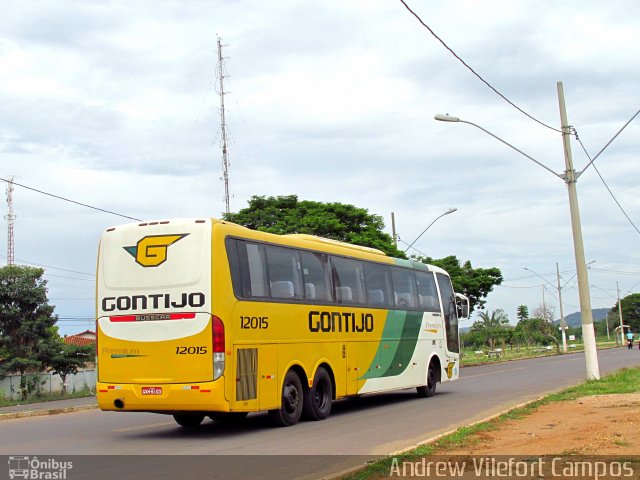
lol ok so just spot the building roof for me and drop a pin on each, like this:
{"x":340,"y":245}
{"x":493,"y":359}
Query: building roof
{"x":81,"y":339}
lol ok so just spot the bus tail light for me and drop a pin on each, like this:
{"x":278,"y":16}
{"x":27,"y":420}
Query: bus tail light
{"x":217,"y":328}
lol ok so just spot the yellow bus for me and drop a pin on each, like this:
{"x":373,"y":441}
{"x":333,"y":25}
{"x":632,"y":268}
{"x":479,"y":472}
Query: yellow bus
{"x":204,"y":318}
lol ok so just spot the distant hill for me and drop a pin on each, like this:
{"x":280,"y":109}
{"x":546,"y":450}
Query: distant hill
{"x":575,"y":319}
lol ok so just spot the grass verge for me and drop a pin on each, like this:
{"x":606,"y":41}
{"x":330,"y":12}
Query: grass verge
{"x":5,"y":402}
{"x":626,"y":380}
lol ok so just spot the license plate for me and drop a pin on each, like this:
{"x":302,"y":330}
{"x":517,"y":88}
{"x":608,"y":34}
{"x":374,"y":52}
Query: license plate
{"x":151,"y":390}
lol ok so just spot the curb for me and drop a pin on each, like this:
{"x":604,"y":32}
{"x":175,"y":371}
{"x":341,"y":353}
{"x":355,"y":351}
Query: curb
{"x":40,"y":413}
{"x":435,"y":438}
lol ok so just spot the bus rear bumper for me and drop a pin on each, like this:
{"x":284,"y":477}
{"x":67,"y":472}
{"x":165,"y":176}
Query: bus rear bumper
{"x":165,"y":398}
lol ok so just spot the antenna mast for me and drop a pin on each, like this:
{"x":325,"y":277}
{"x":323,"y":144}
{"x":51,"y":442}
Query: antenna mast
{"x":223,"y":127}
{"x":10,"y":217}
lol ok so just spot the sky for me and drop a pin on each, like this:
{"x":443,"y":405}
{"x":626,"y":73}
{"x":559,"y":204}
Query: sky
{"x":116,"y":105}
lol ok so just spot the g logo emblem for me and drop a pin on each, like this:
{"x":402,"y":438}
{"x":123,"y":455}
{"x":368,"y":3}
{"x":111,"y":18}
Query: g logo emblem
{"x":151,"y":251}
{"x":450,"y":369}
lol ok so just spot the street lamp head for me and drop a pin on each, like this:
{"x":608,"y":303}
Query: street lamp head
{"x":451,"y":210}
{"x":446,"y":118}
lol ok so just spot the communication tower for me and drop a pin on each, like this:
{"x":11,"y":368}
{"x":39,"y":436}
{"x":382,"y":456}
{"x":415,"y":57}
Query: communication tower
{"x":223,"y":127}
{"x":10,"y":218}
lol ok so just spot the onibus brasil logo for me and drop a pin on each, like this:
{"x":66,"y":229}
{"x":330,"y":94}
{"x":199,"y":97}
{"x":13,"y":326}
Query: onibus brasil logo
{"x":151,"y":251}
{"x":32,"y":468}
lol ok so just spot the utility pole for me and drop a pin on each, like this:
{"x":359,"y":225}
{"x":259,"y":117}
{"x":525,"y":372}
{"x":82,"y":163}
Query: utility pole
{"x":570,"y":178}
{"x":563,"y":326}
{"x":223,"y":128}
{"x":393,"y":230}
{"x":620,"y":315}
{"x":10,"y":217}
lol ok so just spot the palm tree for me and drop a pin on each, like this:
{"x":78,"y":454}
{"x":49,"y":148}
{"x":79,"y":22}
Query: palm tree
{"x":492,"y":327}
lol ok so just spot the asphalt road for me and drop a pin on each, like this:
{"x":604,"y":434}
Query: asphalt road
{"x":356,"y":430}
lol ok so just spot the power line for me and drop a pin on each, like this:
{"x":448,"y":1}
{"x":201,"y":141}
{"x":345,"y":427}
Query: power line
{"x":70,"y":278}
{"x":27,"y":262}
{"x":608,"y":143}
{"x":513,"y":286}
{"x":71,"y":201}
{"x":619,"y":272}
{"x":476,"y":73}
{"x":605,"y":183}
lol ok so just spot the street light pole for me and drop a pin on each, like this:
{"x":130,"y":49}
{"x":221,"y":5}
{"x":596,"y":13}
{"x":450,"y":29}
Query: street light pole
{"x":563,"y":326}
{"x":563,"y":323}
{"x":451,"y":210}
{"x":570,"y":178}
{"x":620,"y":315}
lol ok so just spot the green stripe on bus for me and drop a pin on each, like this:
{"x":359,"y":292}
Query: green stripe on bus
{"x":396,"y":347}
{"x":408,"y":343}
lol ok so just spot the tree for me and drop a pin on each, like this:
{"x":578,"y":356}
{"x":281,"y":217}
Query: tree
{"x":540,"y":328}
{"x":630,"y":311}
{"x":68,"y":359}
{"x":492,"y":328}
{"x":530,"y":330}
{"x":28,"y":335}
{"x":338,"y":221}
{"x":522,"y":312}
{"x":346,"y":223}
{"x":475,"y":283}
{"x":545,"y":311}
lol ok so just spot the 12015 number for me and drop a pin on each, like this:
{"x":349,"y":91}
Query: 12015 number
{"x":191,"y":350}
{"x":259,"y":323}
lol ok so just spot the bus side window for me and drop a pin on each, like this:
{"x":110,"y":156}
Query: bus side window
{"x":347,"y":280}
{"x":255,"y":265}
{"x":315,"y":276}
{"x":427,"y":293}
{"x":376,"y":278}
{"x":450,"y":312}
{"x":404,"y":290}
{"x":283,"y":270}
{"x":246,"y":262}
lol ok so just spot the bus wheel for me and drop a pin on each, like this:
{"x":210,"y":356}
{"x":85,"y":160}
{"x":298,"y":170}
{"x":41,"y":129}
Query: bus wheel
{"x":291,"y":404}
{"x":429,"y":390}
{"x":231,"y":418}
{"x":317,"y":400}
{"x":188,"y":420}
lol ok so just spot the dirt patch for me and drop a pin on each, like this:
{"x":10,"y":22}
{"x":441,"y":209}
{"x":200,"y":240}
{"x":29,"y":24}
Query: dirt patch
{"x":601,"y":424}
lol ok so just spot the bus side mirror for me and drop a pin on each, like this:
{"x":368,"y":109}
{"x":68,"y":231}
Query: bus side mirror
{"x":462,"y":305}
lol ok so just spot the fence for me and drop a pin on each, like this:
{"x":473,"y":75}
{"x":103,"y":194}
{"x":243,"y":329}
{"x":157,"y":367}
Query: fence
{"x":50,"y":383}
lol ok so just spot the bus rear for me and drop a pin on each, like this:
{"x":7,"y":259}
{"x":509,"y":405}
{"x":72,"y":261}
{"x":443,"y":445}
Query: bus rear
{"x":159,"y":347}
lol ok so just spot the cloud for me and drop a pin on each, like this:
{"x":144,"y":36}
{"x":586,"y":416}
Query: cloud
{"x":116,"y":105}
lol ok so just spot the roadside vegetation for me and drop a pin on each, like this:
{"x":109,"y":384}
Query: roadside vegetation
{"x":29,"y":339}
{"x":492,"y":337}
{"x":471,"y":356}
{"x":626,"y":380}
{"x":46,"y":397}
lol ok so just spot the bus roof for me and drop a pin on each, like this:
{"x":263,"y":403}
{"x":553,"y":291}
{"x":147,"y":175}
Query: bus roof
{"x":301,"y":240}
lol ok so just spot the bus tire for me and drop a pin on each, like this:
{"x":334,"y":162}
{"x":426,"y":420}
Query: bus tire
{"x":188,"y":420}
{"x":318,"y":399}
{"x":291,"y":402}
{"x":429,"y":390}
{"x":229,"y":418}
